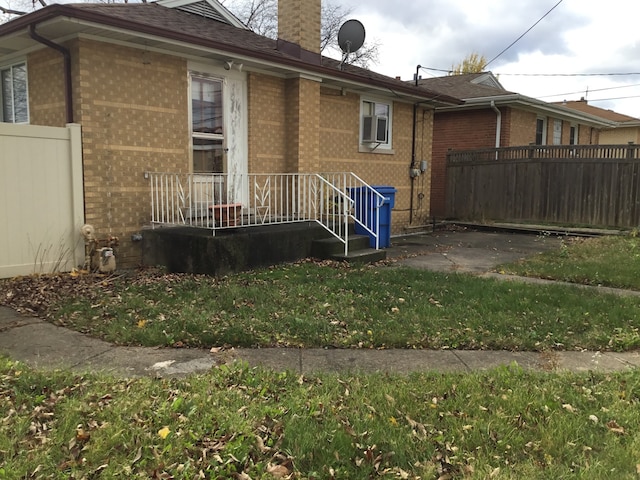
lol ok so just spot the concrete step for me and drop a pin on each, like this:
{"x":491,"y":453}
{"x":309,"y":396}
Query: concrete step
{"x":368,"y":255}
{"x":326,"y":247}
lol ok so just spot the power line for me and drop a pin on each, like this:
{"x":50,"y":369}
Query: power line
{"x":612,"y":74}
{"x":528,"y":30}
{"x":592,"y":90}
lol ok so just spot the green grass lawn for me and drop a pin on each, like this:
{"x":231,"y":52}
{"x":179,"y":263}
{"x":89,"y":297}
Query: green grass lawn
{"x":612,"y":261}
{"x":249,"y":423}
{"x":320,"y":304}
{"x":238,"y":422}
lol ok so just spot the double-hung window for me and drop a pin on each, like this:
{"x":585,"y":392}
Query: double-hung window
{"x":557,"y":132}
{"x":207,"y":125}
{"x":13,"y":94}
{"x":541,"y":131}
{"x":375,"y":124}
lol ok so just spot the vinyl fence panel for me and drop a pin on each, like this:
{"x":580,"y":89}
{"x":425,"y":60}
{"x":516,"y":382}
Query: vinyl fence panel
{"x":41,"y":199}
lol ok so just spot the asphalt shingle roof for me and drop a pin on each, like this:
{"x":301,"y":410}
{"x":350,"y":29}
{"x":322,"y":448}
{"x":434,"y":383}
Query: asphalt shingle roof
{"x":173,"y":23}
{"x":462,"y":86}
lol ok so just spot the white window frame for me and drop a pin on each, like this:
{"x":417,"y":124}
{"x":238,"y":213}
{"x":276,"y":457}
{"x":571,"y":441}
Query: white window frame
{"x":574,"y":134}
{"x":557,"y":132}
{"x":543,"y":140}
{"x":200,"y":135}
{"x":10,"y":67}
{"x":375,"y":142}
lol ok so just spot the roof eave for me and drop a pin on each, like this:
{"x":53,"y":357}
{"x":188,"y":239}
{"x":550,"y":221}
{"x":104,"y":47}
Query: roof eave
{"x":63,"y":11}
{"x":517,"y":99}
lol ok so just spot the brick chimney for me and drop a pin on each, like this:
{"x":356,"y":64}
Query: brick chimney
{"x":299,"y":23}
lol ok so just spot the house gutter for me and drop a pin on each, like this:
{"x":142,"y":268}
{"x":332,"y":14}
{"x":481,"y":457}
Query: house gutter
{"x":517,"y":100}
{"x":67,"y":68}
{"x":498,"y":122}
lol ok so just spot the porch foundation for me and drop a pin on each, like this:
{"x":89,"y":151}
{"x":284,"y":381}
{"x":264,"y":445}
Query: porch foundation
{"x":196,"y":250}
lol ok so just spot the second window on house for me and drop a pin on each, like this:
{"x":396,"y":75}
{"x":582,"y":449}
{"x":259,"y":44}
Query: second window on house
{"x":376,"y":123}
{"x":13,"y":94}
{"x":207,"y":125}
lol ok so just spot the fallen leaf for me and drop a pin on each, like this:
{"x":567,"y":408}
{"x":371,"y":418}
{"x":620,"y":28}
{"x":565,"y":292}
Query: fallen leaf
{"x":593,"y":418}
{"x":278,"y":471}
{"x":615,"y":428}
{"x":568,"y":407}
{"x":137,"y":457}
{"x":164,"y":432}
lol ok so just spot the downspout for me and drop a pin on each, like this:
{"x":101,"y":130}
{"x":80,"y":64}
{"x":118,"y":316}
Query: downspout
{"x":413,"y":160}
{"x":498,"y":123}
{"x":67,"y":68}
{"x":412,"y":166}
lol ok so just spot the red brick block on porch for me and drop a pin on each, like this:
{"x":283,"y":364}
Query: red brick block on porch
{"x":227,"y":214}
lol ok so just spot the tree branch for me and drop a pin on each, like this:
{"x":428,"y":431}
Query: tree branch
{"x":8,"y":11}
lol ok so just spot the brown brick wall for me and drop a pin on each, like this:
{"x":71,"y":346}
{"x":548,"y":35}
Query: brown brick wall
{"x":332,"y":143}
{"x":299,"y":23}
{"x":45,"y":73}
{"x":339,"y":152}
{"x":134,"y":119}
{"x":267,"y":132}
{"x":459,"y":131}
{"x":523,"y":128}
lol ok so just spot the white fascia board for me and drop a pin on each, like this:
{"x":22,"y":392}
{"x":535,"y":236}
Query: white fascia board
{"x":533,"y":104}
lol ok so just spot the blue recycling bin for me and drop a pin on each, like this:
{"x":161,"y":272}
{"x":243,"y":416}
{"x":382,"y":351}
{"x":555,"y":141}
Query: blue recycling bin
{"x":365,"y":202}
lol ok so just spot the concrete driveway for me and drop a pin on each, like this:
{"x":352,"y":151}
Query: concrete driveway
{"x":467,"y":250}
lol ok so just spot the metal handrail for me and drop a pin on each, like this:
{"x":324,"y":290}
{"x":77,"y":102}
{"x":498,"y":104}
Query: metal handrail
{"x":220,"y":201}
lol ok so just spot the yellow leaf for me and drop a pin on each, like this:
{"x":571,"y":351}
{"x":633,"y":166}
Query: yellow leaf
{"x":141,"y":323}
{"x":278,"y":471}
{"x":164,"y":432}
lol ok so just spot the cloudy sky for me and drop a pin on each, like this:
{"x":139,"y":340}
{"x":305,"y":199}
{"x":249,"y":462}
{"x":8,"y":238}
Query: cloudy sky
{"x":577,"y":37}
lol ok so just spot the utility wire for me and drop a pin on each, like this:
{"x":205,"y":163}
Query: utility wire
{"x":520,"y":37}
{"x":591,"y":90}
{"x":613,"y":74}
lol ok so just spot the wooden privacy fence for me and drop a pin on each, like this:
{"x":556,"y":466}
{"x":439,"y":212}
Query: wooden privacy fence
{"x":595,"y":185}
{"x":41,"y":199}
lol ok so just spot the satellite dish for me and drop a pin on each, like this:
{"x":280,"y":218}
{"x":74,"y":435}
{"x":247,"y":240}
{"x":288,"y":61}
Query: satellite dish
{"x":351,"y":36}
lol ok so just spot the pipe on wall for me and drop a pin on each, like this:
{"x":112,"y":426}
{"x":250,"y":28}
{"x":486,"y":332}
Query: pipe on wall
{"x":67,"y":68}
{"x":498,"y":122}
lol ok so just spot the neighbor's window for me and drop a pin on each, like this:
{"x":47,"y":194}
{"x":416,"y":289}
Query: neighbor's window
{"x":207,"y":125}
{"x":376,"y":124}
{"x":573,"y":135}
{"x":557,"y":132}
{"x":541,"y":131}
{"x":15,"y":108}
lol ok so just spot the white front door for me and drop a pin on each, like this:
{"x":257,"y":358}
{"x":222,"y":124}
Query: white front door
{"x":218,"y":116}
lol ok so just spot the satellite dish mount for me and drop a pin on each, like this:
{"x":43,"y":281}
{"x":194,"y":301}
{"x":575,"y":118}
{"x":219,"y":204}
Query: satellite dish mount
{"x":350,"y":38}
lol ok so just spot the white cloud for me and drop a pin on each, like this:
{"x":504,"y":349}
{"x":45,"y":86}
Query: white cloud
{"x":579,"y":36}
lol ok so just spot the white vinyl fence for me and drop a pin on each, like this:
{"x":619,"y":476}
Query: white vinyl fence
{"x":41,"y":199}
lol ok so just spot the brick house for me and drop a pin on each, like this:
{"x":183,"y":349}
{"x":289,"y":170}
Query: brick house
{"x":625,"y":129}
{"x":493,"y":117}
{"x":182,"y":86}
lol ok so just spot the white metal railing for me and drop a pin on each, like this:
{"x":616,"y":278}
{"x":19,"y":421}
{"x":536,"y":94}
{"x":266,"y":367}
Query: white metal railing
{"x":220,"y":201}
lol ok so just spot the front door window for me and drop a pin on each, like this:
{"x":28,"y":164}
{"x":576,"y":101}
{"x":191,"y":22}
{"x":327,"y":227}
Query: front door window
{"x":207,"y":125}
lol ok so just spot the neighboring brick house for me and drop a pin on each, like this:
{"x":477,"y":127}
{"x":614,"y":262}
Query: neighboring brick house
{"x":494,"y":117}
{"x":145,"y":82}
{"x":625,"y":129}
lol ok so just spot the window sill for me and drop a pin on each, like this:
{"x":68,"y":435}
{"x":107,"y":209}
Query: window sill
{"x":365,"y":148}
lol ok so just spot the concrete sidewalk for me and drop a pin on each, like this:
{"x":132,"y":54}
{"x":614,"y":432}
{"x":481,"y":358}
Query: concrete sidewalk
{"x":43,"y":345}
